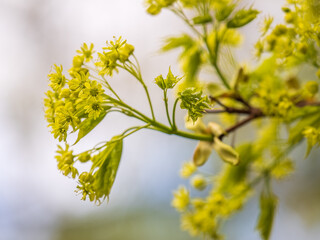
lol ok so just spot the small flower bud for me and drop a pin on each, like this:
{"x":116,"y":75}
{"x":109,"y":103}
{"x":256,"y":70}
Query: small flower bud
{"x":77,"y":61}
{"x":289,"y":17}
{"x":84,"y":157}
{"x":199,"y":182}
{"x":303,"y":48}
{"x":125,"y":52}
{"x":86,"y":177}
{"x":280,"y":30}
{"x":65,"y":93}
{"x":68,"y":158}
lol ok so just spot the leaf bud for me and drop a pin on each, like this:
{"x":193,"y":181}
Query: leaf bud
{"x":160,"y":82}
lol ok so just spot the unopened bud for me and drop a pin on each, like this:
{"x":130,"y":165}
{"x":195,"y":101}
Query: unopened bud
{"x":199,"y":182}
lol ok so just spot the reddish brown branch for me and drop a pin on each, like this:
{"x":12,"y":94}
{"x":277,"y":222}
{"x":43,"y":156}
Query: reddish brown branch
{"x":228,"y":110}
{"x":255,"y":114}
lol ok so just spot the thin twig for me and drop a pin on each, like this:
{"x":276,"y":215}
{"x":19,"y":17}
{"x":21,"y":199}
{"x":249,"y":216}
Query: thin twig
{"x":241,"y":123}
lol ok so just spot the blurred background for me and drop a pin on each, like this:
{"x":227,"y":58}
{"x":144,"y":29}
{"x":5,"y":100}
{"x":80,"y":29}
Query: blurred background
{"x":39,"y":203}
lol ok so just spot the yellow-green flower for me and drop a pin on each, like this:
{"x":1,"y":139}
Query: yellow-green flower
{"x":66,"y":116}
{"x":59,"y":131}
{"x":57,"y":79}
{"x":181,"y":199}
{"x":86,"y":52}
{"x":93,"y":108}
{"x":92,"y":91}
{"x":188,"y":168}
{"x":107,"y":63}
{"x":77,"y":83}
{"x":65,"y":159}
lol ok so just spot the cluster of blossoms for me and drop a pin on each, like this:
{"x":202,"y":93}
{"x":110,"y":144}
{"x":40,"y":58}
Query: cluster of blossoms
{"x":202,"y":215}
{"x":117,"y":50}
{"x":79,"y":103}
{"x":66,"y":107}
{"x":296,"y":41}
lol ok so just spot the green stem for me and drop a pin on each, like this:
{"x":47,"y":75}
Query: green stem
{"x":179,"y":12}
{"x":174,"y":126}
{"x":223,"y":79}
{"x":123,"y":135}
{"x":166,"y":104}
{"x":139,"y":78}
{"x":110,"y":88}
{"x":214,"y":59}
{"x":149,"y":100}
{"x":163,"y":128}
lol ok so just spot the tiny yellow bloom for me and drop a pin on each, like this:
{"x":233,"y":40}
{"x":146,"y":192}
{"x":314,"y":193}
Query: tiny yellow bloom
{"x":181,"y":199}
{"x":188,"y":168}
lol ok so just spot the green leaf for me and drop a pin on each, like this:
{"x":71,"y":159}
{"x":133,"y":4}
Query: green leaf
{"x":109,"y":161}
{"x":88,"y":125}
{"x":226,"y":152}
{"x":190,"y":56}
{"x":202,"y":20}
{"x":191,"y":62}
{"x":242,"y":18}
{"x":171,"y":80}
{"x":171,"y":43}
{"x":268,"y":204}
{"x":223,"y":13}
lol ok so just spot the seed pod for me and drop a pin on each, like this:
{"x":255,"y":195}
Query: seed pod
{"x":202,"y":153}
